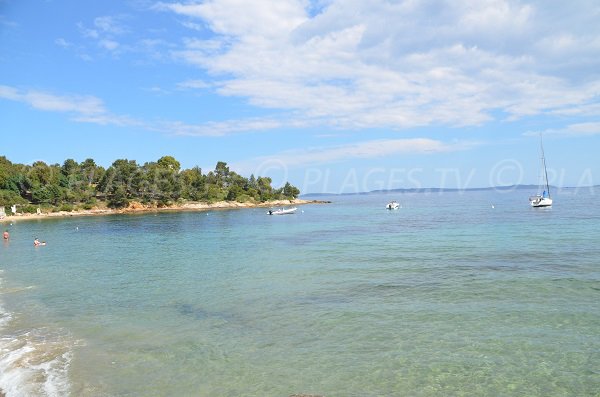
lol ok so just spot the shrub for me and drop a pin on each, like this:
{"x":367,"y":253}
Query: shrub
{"x":244,"y":198}
{"x":163,"y":202}
{"x":8,"y":198}
{"x":28,"y":209}
{"x":66,"y":207}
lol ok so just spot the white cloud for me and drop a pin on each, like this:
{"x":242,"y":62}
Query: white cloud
{"x":9,"y":93}
{"x":106,"y":29}
{"x":62,"y":43}
{"x":77,"y":104}
{"x":81,"y":108}
{"x":357,"y":64}
{"x":258,"y":18}
{"x":89,"y":109}
{"x":192,"y":25}
{"x":577,"y":129}
{"x":110,"y":24}
{"x":86,"y":32}
{"x":110,"y":45}
{"x":193,"y":84}
{"x":86,"y":57}
{"x":110,"y":119}
{"x":85,"y":105}
{"x":217,"y":128}
{"x":360,"y":150}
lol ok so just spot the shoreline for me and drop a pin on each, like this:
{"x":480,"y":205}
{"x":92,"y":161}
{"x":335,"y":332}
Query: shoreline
{"x":138,"y":208}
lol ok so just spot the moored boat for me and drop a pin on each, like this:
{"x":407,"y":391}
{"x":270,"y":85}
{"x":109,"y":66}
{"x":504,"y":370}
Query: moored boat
{"x":392,"y":205}
{"x":543,"y":200}
{"x":282,"y":211}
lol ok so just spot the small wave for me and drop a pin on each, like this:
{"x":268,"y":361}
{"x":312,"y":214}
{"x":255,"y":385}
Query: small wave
{"x":5,"y":318}
{"x":33,"y":363}
{"x":16,"y":289}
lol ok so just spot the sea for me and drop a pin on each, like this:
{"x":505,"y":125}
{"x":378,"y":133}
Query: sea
{"x":464,"y":293}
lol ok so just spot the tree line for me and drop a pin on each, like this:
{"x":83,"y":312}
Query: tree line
{"x":83,"y":185}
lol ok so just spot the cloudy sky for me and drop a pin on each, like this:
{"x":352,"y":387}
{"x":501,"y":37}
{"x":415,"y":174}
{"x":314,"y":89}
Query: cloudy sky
{"x":333,"y":95}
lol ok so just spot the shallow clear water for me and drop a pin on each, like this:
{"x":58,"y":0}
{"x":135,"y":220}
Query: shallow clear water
{"x":445,"y":296}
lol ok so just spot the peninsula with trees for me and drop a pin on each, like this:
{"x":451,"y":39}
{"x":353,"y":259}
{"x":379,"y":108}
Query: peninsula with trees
{"x":88,"y":188}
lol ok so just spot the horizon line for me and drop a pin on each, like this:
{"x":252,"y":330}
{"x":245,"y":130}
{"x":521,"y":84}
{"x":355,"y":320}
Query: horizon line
{"x":444,"y":189}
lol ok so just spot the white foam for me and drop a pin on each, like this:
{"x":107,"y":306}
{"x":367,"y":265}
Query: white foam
{"x":29,"y":368}
{"x":56,"y":371}
{"x":5,"y":318}
{"x":33,"y":363}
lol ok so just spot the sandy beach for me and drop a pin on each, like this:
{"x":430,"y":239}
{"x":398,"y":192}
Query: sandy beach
{"x":136,"y":207}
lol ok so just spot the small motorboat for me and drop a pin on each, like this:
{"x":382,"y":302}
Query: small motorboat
{"x":282,"y":211}
{"x":392,"y":205}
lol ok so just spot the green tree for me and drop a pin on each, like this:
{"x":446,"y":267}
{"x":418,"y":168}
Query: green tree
{"x":40,"y":174}
{"x":290,"y":192}
{"x":160,"y":182}
{"x":90,"y":172}
{"x":252,"y":183}
{"x":12,"y":177}
{"x":264,"y":188}
{"x":221,"y":169}
{"x":69,"y":167}
{"x":193,"y":183}
{"x":118,"y":197}
{"x":169,"y":162}
{"x":213,"y":193}
{"x":120,"y":174}
{"x":234,"y":193}
{"x":10,"y":197}
{"x":47,"y":194}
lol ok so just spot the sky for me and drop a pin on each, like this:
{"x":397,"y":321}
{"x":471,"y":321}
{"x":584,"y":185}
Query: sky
{"x":334,"y":96}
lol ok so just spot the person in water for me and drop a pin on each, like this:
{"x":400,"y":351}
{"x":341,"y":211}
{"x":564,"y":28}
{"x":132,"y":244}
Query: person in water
{"x":5,"y":235}
{"x":37,"y":243}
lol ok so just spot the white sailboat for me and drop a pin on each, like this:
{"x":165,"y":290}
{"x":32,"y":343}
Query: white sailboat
{"x":543,"y":200}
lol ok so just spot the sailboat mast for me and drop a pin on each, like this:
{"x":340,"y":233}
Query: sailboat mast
{"x":544,"y":165}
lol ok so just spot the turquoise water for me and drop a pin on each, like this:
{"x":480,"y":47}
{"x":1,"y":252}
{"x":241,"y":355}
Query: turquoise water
{"x":447,"y":296}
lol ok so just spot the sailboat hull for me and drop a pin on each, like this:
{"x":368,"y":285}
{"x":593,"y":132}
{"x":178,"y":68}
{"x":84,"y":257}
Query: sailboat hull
{"x":541,"y":202}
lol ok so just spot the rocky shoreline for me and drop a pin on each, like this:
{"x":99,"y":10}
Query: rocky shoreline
{"x":135,"y":207}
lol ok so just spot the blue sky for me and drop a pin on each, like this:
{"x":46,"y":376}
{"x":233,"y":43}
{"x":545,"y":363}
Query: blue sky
{"x":332,"y":95}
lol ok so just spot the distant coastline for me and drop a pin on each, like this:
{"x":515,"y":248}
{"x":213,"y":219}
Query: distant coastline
{"x":137,"y":208}
{"x":449,"y":190}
